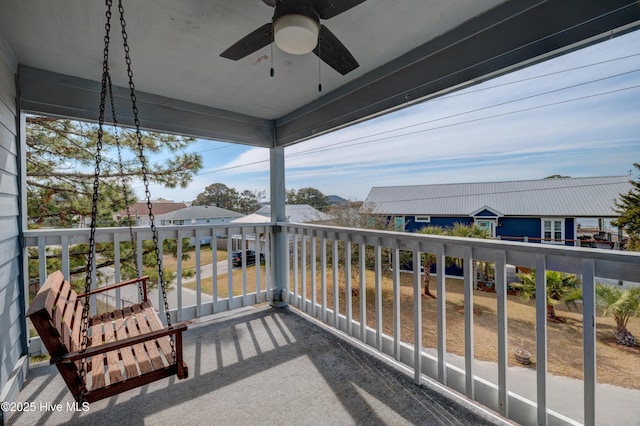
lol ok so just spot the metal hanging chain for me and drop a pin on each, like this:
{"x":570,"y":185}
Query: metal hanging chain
{"x":143,"y":166}
{"x":94,"y":204}
{"x":125,"y":193}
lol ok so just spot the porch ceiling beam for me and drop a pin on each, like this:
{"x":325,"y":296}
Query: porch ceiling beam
{"x":49,"y":93}
{"x":512,"y":35}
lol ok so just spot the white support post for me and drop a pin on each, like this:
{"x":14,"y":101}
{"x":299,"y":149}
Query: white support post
{"x":280,"y":244}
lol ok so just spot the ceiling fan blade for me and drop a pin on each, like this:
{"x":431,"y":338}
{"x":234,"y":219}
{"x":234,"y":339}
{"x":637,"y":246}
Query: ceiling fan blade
{"x":250,"y":43}
{"x":330,"y":8}
{"x":334,"y":53}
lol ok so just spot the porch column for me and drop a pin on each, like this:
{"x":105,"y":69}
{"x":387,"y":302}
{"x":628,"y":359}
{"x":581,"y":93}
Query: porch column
{"x":280,"y":247}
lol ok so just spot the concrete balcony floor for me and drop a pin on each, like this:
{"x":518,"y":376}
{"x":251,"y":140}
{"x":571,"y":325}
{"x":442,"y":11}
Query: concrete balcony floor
{"x":260,"y":365}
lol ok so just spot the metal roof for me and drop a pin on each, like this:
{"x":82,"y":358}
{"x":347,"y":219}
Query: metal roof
{"x":199,"y":212}
{"x":571,"y":197}
{"x":300,"y":213}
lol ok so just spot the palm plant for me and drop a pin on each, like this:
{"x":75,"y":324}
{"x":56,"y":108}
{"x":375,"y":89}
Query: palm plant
{"x":561,"y":287}
{"x":457,"y":230}
{"x":621,"y":304}
{"x":428,"y":259}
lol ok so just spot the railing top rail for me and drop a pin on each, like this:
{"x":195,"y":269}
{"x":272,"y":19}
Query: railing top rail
{"x":518,"y":253}
{"x":119,"y":230}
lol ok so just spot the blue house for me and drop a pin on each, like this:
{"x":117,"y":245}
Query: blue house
{"x":545,"y":210}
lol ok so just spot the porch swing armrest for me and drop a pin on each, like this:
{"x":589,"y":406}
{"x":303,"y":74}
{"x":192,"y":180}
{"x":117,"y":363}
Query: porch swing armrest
{"x":143,"y":280}
{"x":112,"y":346}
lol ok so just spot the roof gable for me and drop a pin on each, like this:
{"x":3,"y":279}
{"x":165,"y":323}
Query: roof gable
{"x":486,"y":212}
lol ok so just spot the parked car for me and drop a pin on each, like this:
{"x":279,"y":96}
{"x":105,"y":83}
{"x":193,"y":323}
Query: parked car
{"x":236,"y":257}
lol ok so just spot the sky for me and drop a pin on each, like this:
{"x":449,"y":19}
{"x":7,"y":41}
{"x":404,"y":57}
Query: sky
{"x":576,"y":115}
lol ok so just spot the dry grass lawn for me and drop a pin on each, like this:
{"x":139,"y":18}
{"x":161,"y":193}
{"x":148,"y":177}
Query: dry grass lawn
{"x":616,"y":365}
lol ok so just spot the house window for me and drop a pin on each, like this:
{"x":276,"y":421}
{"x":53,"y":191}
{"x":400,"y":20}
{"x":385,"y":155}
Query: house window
{"x":488,"y":225}
{"x":398,"y":223}
{"x":553,"y":231}
{"x":425,"y":219}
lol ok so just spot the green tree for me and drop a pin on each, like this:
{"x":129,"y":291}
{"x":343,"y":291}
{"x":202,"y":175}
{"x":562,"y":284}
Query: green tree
{"x":628,"y":207}
{"x":60,"y":177}
{"x":249,"y":201}
{"x":61,"y":165}
{"x":622,"y":305}
{"x":561,"y":288}
{"x":218,"y":194}
{"x":311,"y":196}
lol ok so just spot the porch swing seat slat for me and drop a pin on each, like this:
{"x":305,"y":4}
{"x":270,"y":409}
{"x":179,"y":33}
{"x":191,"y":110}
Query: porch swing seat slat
{"x":127,"y":348}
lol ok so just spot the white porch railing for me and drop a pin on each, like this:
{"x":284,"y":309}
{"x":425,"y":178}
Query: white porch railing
{"x":320,"y":256}
{"x":184,"y":303}
{"x":318,"y":246}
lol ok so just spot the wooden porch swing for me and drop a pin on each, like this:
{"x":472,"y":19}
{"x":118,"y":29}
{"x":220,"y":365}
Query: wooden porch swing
{"x":109,"y":353}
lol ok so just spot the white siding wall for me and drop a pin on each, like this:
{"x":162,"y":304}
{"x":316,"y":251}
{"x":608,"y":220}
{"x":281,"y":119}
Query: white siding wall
{"x":12,"y":305}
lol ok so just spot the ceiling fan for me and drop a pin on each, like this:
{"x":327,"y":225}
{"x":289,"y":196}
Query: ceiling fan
{"x":295,"y":28}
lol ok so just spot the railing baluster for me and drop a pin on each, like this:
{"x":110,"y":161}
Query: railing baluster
{"x":214,"y":269}
{"x":117,"y":276}
{"x":139,"y":251}
{"x":296,"y":281}
{"x":256,"y":238}
{"x":417,"y":320}
{"x":323,"y":276}
{"x":179,"y":273}
{"x":336,"y":294}
{"x":541,"y":338}
{"x":229,"y":269}
{"x":160,"y":299}
{"x":468,"y":323}
{"x":42,"y":260}
{"x":314,"y":288}
{"x":304,"y":272}
{"x":441,"y":311}
{"x":197,"y":240}
{"x":503,"y":350}
{"x":397,"y":331}
{"x":589,"y":340}
{"x":243,"y":250}
{"x":378,"y":286}
{"x":65,"y":256}
{"x":349,"y":288}
{"x":363,"y":292}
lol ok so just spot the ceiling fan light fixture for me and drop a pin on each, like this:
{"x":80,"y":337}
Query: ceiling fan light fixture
{"x":296,"y":34}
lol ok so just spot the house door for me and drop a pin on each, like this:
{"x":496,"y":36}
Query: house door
{"x":488,"y":225}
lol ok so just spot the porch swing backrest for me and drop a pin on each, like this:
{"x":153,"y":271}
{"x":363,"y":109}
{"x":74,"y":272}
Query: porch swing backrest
{"x":127,"y":348}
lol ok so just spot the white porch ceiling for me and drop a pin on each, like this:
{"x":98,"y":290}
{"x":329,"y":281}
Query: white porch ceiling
{"x":407,"y":49}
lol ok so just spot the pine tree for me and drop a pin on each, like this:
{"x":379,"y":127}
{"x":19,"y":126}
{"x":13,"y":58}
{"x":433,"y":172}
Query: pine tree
{"x":628,"y":207}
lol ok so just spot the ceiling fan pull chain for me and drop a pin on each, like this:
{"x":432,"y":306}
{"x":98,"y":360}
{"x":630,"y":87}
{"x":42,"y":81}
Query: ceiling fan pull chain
{"x":272,"y":73}
{"x":319,"y":67}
